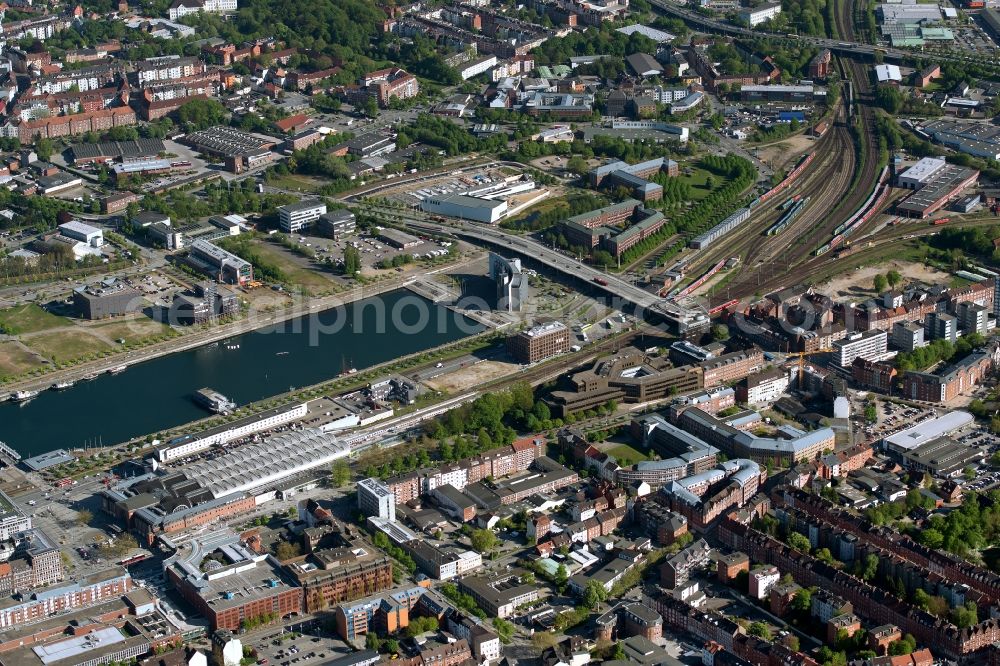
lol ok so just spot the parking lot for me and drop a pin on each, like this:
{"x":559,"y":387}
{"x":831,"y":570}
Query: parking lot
{"x":305,"y":643}
{"x":370,"y":247}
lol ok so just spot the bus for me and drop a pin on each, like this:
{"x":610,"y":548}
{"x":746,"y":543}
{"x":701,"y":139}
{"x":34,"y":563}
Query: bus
{"x":135,"y":559}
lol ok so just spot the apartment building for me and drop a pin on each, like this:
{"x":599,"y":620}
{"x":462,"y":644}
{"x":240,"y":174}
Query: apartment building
{"x":868,"y":345}
{"x":71,"y":595}
{"x":167,"y":68}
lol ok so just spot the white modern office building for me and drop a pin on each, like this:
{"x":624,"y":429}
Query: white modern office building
{"x":297,"y":216}
{"x":375,"y":499}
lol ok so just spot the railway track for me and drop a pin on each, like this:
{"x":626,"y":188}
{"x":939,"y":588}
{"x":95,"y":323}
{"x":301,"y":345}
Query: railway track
{"x":818,"y":269}
{"x":831,"y":150}
{"x":839,"y":199}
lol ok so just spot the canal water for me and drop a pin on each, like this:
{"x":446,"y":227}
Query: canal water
{"x":155,"y":395}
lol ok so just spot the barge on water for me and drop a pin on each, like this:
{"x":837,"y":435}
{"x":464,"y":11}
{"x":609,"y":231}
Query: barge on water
{"x":214,"y":401}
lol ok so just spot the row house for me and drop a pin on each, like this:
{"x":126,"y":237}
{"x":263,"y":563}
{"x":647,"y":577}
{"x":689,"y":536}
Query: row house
{"x":24,"y":62}
{"x":584,"y":531}
{"x":150,"y":109}
{"x":98,"y":52}
{"x":81,"y":593}
{"x":32,"y":106}
{"x":302,"y":80}
{"x":37,"y":28}
{"x":497,"y":463}
{"x":227,"y":54}
{"x":949,"y":566}
{"x":207,"y":82}
{"x":167,"y":68}
{"x":874,"y":604}
{"x":954,"y":380}
{"x":82,"y":80}
{"x":49,"y":128}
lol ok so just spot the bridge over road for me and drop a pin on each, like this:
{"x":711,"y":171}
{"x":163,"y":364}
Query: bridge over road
{"x":681,"y":319}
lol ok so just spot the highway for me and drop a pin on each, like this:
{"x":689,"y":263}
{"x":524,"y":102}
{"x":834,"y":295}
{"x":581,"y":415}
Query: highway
{"x":645,"y":302}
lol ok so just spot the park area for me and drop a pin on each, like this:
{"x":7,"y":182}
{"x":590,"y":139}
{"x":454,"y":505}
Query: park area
{"x":28,"y":318}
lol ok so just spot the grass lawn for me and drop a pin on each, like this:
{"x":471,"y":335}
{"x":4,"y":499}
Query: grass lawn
{"x":697,"y":181}
{"x":29,"y":318}
{"x":626,"y":452}
{"x":296,"y":268}
{"x":67,"y":345}
{"x":15,"y":359}
{"x":295,"y":183}
{"x":132,"y":330}
{"x":959,"y":282}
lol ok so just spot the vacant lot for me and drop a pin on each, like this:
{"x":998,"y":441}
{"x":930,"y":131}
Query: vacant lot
{"x":782,"y":155}
{"x":15,"y":359}
{"x":28,"y":318}
{"x":66,"y":345}
{"x":862,"y":280}
{"x":296,"y":183}
{"x":474,"y":375}
{"x":298,"y":269}
{"x":132,"y":330}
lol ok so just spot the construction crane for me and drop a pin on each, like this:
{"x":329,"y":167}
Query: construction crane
{"x":802,"y":359}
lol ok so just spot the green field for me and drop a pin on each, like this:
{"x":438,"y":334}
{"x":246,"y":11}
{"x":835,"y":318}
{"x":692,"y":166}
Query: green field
{"x":67,"y":345}
{"x":29,"y":318}
{"x":295,"y":183}
{"x":133,"y":330}
{"x":296,"y":269}
{"x":626,"y":452}
{"x":697,"y":181}
{"x":14,"y":359}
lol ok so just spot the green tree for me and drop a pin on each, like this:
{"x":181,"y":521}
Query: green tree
{"x":44,"y":148}
{"x":484,"y":541}
{"x":352,"y":260}
{"x":802,"y":601}
{"x":561,"y":579}
{"x":504,"y":629}
{"x":893,"y":278}
{"x":285,"y":550}
{"x":880,"y":283}
{"x":799,"y":542}
{"x":593,"y":594}
{"x":577,"y":165}
{"x":340,"y":473}
{"x":720,"y":332}
{"x":369,"y":107}
{"x":198,"y":114}
{"x":760,"y":630}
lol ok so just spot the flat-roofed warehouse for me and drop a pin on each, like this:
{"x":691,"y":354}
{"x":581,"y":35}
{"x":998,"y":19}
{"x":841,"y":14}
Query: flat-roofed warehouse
{"x":914,"y":436}
{"x":942,"y":456}
{"x":105,"y":151}
{"x":465,"y":207}
{"x":398,"y":239}
{"x":227,"y":141}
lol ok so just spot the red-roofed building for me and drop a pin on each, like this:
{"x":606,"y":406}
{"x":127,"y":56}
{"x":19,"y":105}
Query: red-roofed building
{"x":293,"y":123}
